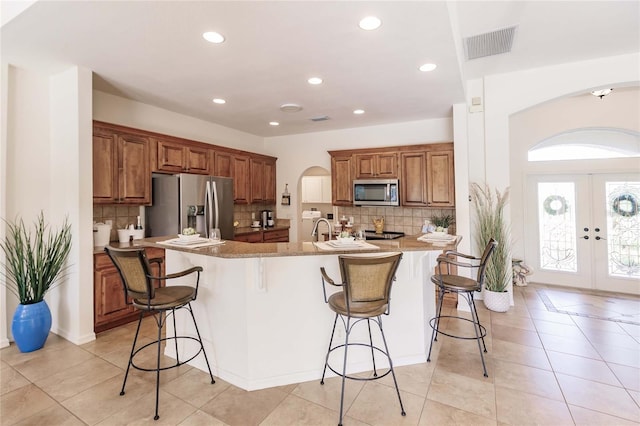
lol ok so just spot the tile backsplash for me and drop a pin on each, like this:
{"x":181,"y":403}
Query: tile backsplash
{"x":121,"y":216}
{"x":396,"y":219}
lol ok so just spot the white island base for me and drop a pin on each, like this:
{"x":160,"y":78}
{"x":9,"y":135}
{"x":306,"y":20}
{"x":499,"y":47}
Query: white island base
{"x":264,"y":322}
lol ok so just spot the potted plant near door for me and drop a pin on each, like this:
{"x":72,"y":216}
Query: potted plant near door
{"x":490,"y":223}
{"x":34,"y":264}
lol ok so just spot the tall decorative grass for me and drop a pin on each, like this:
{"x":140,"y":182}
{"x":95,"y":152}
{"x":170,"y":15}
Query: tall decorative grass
{"x":490,"y":223}
{"x":34,"y":263}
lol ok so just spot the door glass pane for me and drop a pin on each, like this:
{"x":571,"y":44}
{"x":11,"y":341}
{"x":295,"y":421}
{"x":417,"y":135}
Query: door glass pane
{"x":623,"y":228}
{"x":557,"y":220}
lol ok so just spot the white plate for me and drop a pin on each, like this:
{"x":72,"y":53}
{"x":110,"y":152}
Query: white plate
{"x":189,"y":241}
{"x":336,"y":244}
{"x":190,"y":237}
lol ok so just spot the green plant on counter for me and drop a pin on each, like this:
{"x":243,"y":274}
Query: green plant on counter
{"x":442,"y":221}
{"x":490,"y":223}
{"x":34,"y":264}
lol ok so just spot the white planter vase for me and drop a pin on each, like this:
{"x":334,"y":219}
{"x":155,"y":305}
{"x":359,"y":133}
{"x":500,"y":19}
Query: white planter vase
{"x":496,"y":301}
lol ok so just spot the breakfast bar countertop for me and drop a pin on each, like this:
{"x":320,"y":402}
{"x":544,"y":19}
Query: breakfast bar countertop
{"x":236,"y":249}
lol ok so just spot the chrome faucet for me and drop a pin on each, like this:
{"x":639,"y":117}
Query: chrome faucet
{"x":314,"y":233}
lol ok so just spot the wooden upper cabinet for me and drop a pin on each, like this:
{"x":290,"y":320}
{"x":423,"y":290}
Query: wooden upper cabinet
{"x":380,"y":165}
{"x":223,"y":164}
{"x":440,"y":179}
{"x":341,"y":180}
{"x":176,"y":157}
{"x":413,"y":181}
{"x":121,"y":168}
{"x":241,"y":174}
{"x":270,"y":181}
{"x":263,"y":180}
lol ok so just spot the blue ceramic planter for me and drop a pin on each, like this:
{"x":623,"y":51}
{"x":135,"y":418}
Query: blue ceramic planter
{"x":31,"y":325}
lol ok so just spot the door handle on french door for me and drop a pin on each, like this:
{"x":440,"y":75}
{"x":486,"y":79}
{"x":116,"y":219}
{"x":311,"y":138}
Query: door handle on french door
{"x":586,"y":237}
{"x":600,"y":238}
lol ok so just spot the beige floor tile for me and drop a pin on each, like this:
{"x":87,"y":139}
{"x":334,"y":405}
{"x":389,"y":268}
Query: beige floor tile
{"x":235,"y":406}
{"x":520,"y":354}
{"x":78,"y":378}
{"x":11,"y":380}
{"x":586,"y":324}
{"x":414,"y":379}
{"x":435,"y":413}
{"x":570,"y":331}
{"x":295,"y":411}
{"x":635,"y":395}
{"x":515,"y":335}
{"x":585,"y":417}
{"x":628,"y":376}
{"x":51,"y":362}
{"x":519,"y":408}
{"x":101,"y":401}
{"x":12,"y":355}
{"x":171,"y":410}
{"x":619,"y":355}
{"x":599,"y":397}
{"x":527,"y":379}
{"x":601,"y":337}
{"x":474,"y":395}
{"x":545,"y":315}
{"x":632,"y":329}
{"x":55,"y":415}
{"x":111,"y":340}
{"x":570,"y":345}
{"x":119,"y":354}
{"x":328,"y":395}
{"x":514,"y":321}
{"x":585,"y":368}
{"x":465,"y":362}
{"x":378,"y":405}
{"x":200,"y":418}
{"x":23,"y":403}
{"x":195,"y":387}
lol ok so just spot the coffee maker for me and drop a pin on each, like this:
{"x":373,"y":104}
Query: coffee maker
{"x":267,"y":218}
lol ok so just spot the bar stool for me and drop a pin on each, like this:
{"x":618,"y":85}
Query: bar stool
{"x":448,"y":283}
{"x":139,"y":291}
{"x":366,"y":284}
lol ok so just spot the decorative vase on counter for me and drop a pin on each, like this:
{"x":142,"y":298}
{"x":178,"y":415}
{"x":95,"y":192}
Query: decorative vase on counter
{"x":378,"y":224}
{"x":31,"y":325}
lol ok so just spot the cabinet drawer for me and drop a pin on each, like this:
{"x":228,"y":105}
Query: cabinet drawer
{"x":278,"y":236}
{"x":255,"y":237}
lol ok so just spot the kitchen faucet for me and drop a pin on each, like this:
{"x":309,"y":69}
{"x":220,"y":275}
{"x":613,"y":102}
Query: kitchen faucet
{"x":314,"y":232}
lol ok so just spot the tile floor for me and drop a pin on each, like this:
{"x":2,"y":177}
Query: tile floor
{"x":558,"y":357}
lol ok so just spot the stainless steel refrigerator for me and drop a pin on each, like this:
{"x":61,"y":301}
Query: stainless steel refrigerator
{"x":196,"y":201}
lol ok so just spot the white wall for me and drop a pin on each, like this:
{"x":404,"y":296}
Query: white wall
{"x":117,"y":110}
{"x":296,"y":153}
{"x":48,"y":130}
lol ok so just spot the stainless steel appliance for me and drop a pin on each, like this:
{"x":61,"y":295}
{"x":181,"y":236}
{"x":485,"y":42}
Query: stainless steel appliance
{"x":376,"y":192}
{"x":267,"y":218}
{"x":196,"y":201}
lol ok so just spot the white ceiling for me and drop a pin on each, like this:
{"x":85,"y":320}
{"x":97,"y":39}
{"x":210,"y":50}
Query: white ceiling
{"x":153,"y":52}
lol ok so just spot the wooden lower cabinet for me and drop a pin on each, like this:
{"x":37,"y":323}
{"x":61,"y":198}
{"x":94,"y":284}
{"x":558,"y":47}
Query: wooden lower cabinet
{"x":264,"y":236}
{"x":110,"y":309}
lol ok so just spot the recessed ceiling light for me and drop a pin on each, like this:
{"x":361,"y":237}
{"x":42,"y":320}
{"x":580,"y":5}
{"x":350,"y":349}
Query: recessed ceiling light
{"x":219,"y":101}
{"x":274,"y":123}
{"x":427,"y":67}
{"x":358,"y":111}
{"x":213,"y":37}
{"x":315,"y":80}
{"x":370,"y":23}
{"x":290,"y":108}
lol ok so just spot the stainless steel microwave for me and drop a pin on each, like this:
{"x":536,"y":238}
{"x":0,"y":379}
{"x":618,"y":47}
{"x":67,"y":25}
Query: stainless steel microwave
{"x":376,"y":192}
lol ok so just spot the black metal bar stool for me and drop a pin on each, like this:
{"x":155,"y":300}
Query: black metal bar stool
{"x":366,"y":283}
{"x":137,"y":280}
{"x":448,"y":283}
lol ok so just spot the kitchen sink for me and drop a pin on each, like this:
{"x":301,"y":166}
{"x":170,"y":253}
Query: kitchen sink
{"x":371,"y":235}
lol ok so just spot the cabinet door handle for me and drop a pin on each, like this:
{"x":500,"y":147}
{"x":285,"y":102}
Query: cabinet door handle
{"x":586,"y":237}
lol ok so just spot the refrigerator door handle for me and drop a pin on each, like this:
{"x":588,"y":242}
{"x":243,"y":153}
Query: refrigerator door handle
{"x":207,"y":210}
{"x":215,"y":201}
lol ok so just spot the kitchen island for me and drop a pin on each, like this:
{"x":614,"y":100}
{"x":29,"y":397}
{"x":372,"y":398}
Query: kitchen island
{"x":262,"y":317}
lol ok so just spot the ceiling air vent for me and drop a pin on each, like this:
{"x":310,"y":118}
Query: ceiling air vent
{"x":320,"y":118}
{"x":487,"y":44}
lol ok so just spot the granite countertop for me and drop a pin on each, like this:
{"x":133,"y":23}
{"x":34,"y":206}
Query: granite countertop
{"x":236,"y":249}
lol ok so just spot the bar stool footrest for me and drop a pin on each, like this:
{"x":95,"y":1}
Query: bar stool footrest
{"x":483,"y":330}
{"x":154,"y":343}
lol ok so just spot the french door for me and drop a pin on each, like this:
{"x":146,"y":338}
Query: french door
{"x":584,"y":230}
